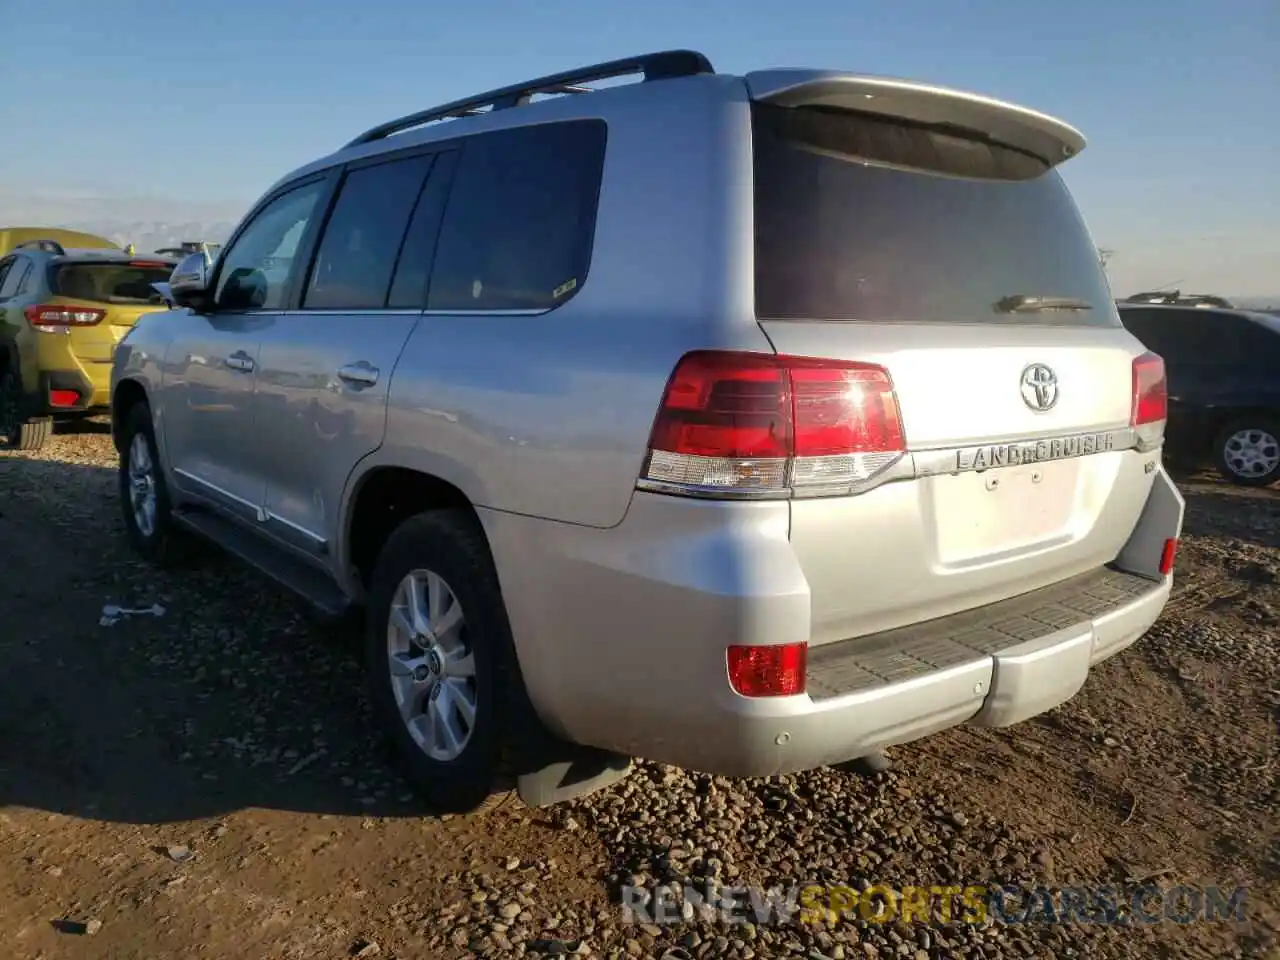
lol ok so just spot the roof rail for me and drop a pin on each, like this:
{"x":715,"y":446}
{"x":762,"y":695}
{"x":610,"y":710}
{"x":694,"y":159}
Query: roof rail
{"x":664,"y":65}
{"x":46,"y":246}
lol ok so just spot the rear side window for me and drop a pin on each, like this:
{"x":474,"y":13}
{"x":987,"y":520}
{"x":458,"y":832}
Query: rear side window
{"x":518,"y":228}
{"x":863,"y":218}
{"x":16,"y":280}
{"x":1234,"y":340}
{"x":119,"y":283}
{"x":361,"y":242}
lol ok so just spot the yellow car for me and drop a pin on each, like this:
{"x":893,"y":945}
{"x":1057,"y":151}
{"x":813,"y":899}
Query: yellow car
{"x":62,"y":312}
{"x":11,"y":237}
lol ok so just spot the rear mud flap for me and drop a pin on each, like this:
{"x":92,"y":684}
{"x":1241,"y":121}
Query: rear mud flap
{"x":553,"y":771}
{"x":549,"y":770}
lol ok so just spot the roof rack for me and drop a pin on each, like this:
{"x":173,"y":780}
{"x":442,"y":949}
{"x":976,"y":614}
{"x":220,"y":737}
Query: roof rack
{"x":664,"y":65}
{"x":45,"y":246}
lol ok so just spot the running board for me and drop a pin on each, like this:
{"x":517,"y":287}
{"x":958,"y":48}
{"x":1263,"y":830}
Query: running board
{"x":299,"y":578}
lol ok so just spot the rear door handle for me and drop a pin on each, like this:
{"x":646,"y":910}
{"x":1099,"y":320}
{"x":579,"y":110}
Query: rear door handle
{"x":363,"y":374}
{"x":241,"y":361}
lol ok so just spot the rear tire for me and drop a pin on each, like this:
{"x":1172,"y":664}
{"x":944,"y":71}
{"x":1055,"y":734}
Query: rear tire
{"x":438,"y":650}
{"x":150,"y":526}
{"x":1247,"y":451}
{"x":19,"y":432}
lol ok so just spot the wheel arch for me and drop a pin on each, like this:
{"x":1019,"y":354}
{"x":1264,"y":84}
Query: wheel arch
{"x":125,"y":395}
{"x":9,"y":359}
{"x":380,"y":498}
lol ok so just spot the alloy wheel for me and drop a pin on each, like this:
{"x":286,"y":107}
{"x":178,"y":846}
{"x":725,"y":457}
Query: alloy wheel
{"x":433,"y":676}
{"x":142,"y":485}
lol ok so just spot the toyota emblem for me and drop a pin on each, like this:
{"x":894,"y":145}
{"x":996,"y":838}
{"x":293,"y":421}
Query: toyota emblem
{"x":1039,"y":387}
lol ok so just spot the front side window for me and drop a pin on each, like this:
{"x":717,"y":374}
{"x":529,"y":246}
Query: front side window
{"x":256,"y":270}
{"x":361,"y":243}
{"x":520,"y":220}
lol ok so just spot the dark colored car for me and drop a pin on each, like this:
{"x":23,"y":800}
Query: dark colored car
{"x":1223,"y":368}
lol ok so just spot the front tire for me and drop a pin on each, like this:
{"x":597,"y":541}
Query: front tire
{"x":19,"y":432}
{"x":441,"y":663}
{"x":1247,"y":451}
{"x":144,"y":497}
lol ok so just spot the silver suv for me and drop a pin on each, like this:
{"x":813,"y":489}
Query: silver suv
{"x":743,"y":423}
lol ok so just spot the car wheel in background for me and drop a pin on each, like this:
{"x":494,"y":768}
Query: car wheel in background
{"x":441,"y":663}
{"x":1247,"y":451}
{"x":16,"y":431}
{"x":144,"y":498}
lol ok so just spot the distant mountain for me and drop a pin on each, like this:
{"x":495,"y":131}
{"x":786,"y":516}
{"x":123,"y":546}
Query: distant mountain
{"x":1257,"y":303}
{"x":151,"y":235}
{"x":146,"y":222}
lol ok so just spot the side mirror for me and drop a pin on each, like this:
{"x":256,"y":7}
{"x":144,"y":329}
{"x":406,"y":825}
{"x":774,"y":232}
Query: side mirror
{"x":189,"y":282}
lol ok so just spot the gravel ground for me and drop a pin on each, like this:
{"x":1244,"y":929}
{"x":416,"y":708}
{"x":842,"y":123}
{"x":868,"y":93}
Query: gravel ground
{"x":208,"y":782}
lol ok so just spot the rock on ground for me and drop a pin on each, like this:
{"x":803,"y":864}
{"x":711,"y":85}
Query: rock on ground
{"x":208,"y":782}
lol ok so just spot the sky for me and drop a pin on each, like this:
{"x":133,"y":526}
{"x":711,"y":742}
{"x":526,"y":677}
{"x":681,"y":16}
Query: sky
{"x":138,"y":111}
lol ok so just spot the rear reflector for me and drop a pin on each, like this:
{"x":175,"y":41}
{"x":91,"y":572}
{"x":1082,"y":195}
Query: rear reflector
{"x":63,"y":398}
{"x":751,"y":424}
{"x":1150,"y":391}
{"x":1167,"y":557}
{"x":772,"y":671}
{"x":49,"y":317}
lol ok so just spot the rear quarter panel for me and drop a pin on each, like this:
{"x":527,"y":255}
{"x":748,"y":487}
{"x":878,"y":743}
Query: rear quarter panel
{"x":549,"y":415}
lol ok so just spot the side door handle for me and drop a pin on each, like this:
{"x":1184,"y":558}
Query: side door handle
{"x":361,"y":374}
{"x":241,"y":361}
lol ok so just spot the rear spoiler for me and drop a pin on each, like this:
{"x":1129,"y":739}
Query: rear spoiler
{"x":1043,"y":136}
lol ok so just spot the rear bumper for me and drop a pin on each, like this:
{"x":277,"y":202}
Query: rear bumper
{"x":621,"y":635}
{"x":55,"y":385}
{"x":993,"y":667}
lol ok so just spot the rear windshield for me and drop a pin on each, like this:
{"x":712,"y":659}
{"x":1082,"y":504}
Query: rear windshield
{"x":123,"y":283}
{"x":861,"y":218}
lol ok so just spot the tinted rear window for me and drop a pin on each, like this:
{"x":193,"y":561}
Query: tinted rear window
{"x":860,"y":218}
{"x":122,"y":283}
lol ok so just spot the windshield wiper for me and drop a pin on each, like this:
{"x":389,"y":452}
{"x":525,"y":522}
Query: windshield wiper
{"x":1026,"y":303}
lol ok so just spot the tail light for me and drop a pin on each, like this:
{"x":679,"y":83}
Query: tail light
{"x":1150,"y":391}
{"x":777,"y":670}
{"x":55,"y":318}
{"x":759,"y":425}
